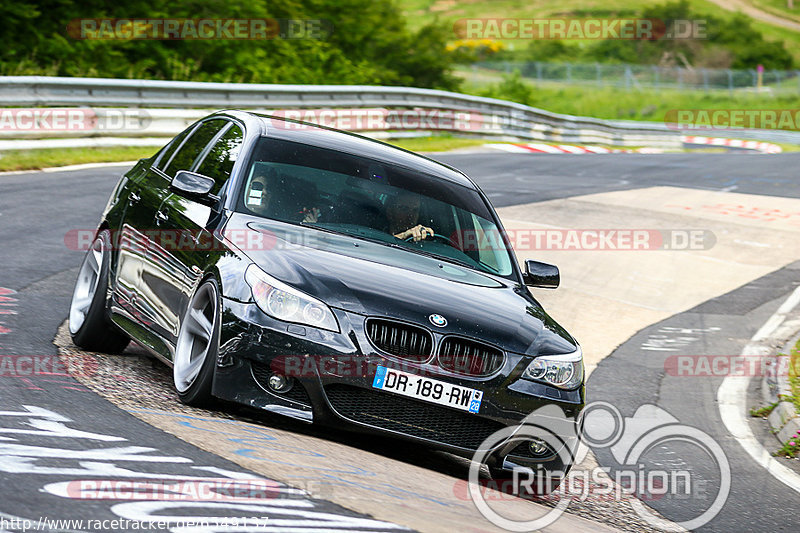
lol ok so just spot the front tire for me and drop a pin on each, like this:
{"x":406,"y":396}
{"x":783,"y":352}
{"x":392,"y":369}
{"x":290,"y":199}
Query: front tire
{"x":196,"y":349}
{"x":88,"y":322}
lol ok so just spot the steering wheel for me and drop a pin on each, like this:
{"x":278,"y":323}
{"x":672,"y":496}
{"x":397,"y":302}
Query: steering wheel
{"x":437,"y":236}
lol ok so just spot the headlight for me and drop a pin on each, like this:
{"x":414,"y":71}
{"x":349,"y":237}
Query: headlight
{"x":286,"y":303}
{"x":564,"y":371}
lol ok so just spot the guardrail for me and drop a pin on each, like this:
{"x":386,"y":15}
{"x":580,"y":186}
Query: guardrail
{"x":163,"y":108}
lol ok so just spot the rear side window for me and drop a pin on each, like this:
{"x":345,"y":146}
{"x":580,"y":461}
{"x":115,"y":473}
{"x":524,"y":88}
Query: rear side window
{"x":194,"y":146}
{"x":168,"y":150}
{"x":219,"y":161}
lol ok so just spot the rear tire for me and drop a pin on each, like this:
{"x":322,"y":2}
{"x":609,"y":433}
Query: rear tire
{"x":196,"y":349}
{"x":88,"y":321}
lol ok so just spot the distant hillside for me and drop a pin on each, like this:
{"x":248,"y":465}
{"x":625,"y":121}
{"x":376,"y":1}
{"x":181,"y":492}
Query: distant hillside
{"x":421,"y":12}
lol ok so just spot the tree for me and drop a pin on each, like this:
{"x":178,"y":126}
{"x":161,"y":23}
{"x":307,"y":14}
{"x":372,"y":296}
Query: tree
{"x":369,"y":44}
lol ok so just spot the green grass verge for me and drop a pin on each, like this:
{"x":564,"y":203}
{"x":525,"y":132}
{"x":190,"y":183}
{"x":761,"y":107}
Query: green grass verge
{"x":436,"y":143}
{"x":791,"y":448}
{"x":763,"y":412}
{"x":794,"y":374}
{"x":50,"y":157}
{"x":13,"y":160}
{"x":789,"y":147}
{"x":613,"y":103}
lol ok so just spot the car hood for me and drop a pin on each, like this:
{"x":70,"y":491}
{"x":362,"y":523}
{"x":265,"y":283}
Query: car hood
{"x":372,"y":279}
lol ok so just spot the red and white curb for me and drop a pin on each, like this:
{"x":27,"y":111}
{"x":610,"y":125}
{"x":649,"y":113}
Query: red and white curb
{"x":541,"y":148}
{"x":763,"y":147}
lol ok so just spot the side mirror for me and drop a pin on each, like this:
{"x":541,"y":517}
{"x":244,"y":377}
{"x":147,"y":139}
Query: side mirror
{"x":194,"y":186}
{"x":542,"y":275}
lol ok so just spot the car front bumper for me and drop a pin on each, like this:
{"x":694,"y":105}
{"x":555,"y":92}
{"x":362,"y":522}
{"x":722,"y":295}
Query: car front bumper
{"x":332,"y":383}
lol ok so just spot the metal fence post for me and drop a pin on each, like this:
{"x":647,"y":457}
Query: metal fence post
{"x":730,"y":81}
{"x":599,"y":76}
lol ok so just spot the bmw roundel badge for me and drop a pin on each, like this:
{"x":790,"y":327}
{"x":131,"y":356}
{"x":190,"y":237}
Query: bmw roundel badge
{"x":438,"y":320}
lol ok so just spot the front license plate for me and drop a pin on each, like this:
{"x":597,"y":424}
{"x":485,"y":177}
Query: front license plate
{"x":427,"y":389}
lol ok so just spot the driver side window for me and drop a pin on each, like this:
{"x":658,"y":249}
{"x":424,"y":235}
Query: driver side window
{"x":166,"y":153}
{"x":218,"y":162}
{"x":191,"y":149}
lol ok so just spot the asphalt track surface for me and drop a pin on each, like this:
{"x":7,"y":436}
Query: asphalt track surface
{"x":53,"y":430}
{"x":511,"y":179}
{"x":37,"y":272}
{"x":633,"y":375}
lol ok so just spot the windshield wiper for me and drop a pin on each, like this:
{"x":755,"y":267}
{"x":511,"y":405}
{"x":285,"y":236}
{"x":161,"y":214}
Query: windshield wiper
{"x":438,"y":256}
{"x":490,"y":267}
{"x":354,"y":235}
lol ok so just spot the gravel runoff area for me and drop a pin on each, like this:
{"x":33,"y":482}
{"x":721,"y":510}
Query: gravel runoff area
{"x":135,"y":380}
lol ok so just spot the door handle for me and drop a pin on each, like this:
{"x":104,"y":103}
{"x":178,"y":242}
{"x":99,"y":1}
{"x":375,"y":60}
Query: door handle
{"x":134,"y":198}
{"x":161,"y":216}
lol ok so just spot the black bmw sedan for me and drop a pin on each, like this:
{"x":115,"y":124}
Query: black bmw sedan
{"x":332,"y":278}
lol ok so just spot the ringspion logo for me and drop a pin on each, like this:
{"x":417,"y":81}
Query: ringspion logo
{"x":631,"y":442}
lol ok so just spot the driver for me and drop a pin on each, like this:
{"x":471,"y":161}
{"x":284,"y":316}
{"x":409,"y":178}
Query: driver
{"x":402,"y":213}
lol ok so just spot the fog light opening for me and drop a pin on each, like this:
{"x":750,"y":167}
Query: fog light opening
{"x":280,"y":384}
{"x":539,"y":447}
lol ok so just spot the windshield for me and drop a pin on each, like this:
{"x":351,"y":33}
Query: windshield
{"x":392,"y":205}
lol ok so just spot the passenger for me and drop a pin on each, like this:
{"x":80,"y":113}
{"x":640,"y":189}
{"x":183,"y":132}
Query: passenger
{"x":402,"y":213}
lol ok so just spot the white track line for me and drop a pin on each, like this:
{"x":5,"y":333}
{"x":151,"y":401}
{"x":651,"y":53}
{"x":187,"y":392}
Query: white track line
{"x":508,"y":148}
{"x":732,"y":399}
{"x":763,"y":147}
{"x":571,"y":149}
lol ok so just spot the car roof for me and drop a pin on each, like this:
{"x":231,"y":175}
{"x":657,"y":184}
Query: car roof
{"x":343,"y":141}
